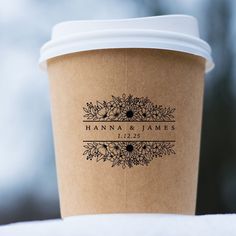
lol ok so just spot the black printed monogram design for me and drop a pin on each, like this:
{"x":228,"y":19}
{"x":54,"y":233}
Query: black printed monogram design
{"x":128,"y":108}
{"x":128,"y":153}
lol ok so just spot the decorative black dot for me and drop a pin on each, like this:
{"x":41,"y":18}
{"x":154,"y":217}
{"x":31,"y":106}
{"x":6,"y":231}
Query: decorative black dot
{"x":144,"y":114}
{"x":116,"y":114}
{"x":129,"y":148}
{"x":144,"y":147}
{"x":129,"y":114}
{"x":104,"y":145}
{"x":116,"y":147}
{"x":105,"y":115}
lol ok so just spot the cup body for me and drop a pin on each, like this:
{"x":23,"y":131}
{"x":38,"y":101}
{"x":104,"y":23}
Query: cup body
{"x":126,"y":126}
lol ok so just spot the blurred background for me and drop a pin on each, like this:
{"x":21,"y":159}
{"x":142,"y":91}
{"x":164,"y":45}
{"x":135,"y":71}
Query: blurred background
{"x":28,"y":185}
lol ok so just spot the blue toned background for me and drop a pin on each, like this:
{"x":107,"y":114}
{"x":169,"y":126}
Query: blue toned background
{"x":28,"y":187}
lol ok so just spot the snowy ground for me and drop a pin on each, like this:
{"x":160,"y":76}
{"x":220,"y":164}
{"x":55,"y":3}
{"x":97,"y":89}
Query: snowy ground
{"x":129,"y":224}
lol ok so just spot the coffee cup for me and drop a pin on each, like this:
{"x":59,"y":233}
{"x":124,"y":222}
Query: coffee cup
{"x":126,"y":99}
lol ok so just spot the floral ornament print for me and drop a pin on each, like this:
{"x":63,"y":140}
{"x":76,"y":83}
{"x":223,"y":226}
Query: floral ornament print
{"x":128,"y":108}
{"x":128,"y":153}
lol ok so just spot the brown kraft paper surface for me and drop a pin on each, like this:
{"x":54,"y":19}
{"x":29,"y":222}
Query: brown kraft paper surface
{"x":126,"y":128}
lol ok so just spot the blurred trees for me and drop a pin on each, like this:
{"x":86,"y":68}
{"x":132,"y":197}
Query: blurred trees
{"x":217,"y":176}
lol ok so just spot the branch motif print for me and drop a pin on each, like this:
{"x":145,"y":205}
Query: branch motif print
{"x":127,"y":108}
{"x":128,"y":153}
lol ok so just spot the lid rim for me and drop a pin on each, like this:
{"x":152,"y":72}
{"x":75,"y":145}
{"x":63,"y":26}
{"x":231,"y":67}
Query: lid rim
{"x":52,"y":54}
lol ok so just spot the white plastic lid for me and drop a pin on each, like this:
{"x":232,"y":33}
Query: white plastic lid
{"x":169,"y":32}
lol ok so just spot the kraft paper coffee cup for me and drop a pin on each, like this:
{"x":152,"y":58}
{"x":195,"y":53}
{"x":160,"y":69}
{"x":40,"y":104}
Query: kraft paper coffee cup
{"x":126,"y":101}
